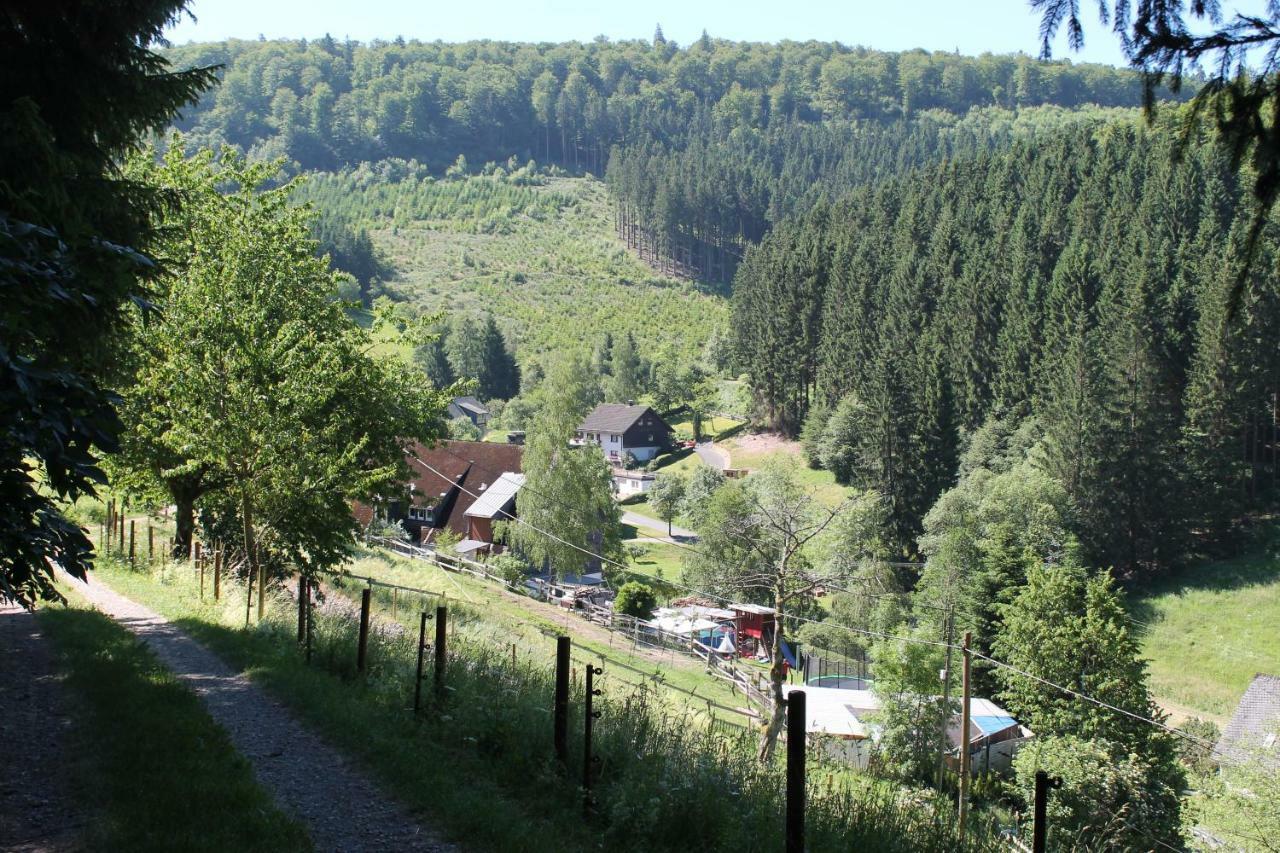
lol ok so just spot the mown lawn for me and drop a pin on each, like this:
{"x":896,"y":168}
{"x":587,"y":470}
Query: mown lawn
{"x":1211,"y":628}
{"x":712,"y":427}
{"x":150,"y":763}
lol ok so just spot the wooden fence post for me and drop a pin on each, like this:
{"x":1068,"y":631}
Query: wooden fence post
{"x":311,"y":628}
{"x":302,"y":608}
{"x":151,"y":543}
{"x":965,"y":757}
{"x":588,"y":724}
{"x":217,"y":575}
{"x":795,"y":771}
{"x":442,"y":633}
{"x":1040,"y":827}
{"x":422,"y":645}
{"x":561,"y":717}
{"x":131,"y":540}
{"x":362,"y":644}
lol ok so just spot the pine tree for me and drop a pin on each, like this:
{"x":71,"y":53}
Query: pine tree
{"x":466,"y":351}
{"x":625,"y":371}
{"x":500,"y":378}
{"x":433,"y":359}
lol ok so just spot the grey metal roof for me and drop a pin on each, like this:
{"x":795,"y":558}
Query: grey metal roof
{"x":472,"y":404}
{"x":496,"y":496}
{"x":618,"y":417}
{"x":1255,"y":726}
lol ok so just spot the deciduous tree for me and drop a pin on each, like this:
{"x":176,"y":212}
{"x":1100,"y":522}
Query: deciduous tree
{"x":667,"y":495}
{"x":570,"y":520}
{"x":254,"y":379}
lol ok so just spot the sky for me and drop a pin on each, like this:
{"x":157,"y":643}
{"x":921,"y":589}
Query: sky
{"x":972,"y":27}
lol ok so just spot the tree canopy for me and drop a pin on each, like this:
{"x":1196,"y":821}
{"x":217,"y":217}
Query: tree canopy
{"x":82,"y":87}
{"x":571,"y":523}
{"x":1077,"y":287}
{"x":253,"y":392}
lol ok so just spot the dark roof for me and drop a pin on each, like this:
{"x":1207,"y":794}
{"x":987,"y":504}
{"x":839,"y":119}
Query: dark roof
{"x":472,"y":465}
{"x":469,"y":465}
{"x":471,"y":404}
{"x":1256,"y":723}
{"x":618,"y":417}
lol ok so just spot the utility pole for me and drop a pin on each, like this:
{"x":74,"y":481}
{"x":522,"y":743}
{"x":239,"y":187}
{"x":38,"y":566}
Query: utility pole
{"x":964,"y":738}
{"x":946,"y":698}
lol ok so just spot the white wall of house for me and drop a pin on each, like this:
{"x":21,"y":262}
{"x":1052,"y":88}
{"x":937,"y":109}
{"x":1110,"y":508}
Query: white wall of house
{"x":627,"y":486}
{"x":611,"y":443}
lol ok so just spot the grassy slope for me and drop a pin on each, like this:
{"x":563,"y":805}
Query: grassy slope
{"x":1212,"y":628}
{"x":160,"y":773}
{"x":556,"y":282}
{"x":462,"y":769}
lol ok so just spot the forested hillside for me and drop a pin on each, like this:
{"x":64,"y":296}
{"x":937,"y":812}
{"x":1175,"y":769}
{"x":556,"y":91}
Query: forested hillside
{"x":693,"y":202}
{"x":1073,"y":296}
{"x":326,"y":103}
{"x":705,"y":145}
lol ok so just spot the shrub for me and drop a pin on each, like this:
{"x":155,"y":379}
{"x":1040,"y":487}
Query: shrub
{"x":445,"y":540}
{"x":510,"y":568}
{"x":702,"y":484}
{"x":1108,"y":798}
{"x":462,"y":429}
{"x":635,"y":599}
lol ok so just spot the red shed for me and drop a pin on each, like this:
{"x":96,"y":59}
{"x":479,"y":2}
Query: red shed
{"x":754,"y":624}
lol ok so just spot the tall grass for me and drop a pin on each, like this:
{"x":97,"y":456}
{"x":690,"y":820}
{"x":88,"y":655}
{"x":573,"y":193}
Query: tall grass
{"x":667,"y":779}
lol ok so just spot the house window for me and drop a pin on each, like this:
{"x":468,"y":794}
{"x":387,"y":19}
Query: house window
{"x":650,"y":437}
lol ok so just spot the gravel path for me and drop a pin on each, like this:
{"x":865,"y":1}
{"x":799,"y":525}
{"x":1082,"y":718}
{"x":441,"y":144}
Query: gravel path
{"x":342,"y":809}
{"x":37,"y":810}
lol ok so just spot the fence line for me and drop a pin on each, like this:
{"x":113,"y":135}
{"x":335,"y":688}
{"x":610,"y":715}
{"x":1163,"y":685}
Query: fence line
{"x":640,"y":631}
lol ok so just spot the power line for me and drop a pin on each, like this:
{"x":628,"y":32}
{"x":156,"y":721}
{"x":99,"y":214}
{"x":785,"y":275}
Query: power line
{"x":1078,"y":695}
{"x":569,"y":506}
{"x":864,"y":632}
{"x":1128,"y":825}
{"x":693,"y":590}
{"x":673,"y":541}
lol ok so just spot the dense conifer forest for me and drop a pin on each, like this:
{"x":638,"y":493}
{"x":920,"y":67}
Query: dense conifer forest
{"x":1069,"y":298}
{"x":704,"y":146}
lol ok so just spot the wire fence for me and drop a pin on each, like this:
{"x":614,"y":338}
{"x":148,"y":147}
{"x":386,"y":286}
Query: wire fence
{"x":641,"y":632}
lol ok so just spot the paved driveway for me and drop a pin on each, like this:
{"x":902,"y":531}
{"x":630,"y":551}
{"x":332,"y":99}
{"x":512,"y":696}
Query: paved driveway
{"x":712,"y":456}
{"x":680,"y":534}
